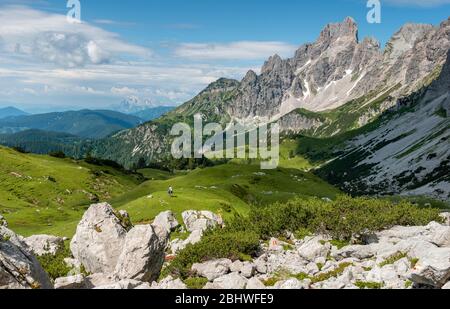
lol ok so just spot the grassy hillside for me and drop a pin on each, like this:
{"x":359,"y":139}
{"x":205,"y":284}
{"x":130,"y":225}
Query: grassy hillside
{"x":41,"y":194}
{"x":224,"y":188}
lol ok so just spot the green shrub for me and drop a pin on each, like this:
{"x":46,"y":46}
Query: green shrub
{"x":341,"y":219}
{"x":196,"y":283}
{"x":369,"y":285}
{"x":394,"y":258}
{"x":57,"y":154}
{"x":54,"y":265}
{"x":348,"y":217}
{"x":214,"y":245}
{"x":331,"y":274}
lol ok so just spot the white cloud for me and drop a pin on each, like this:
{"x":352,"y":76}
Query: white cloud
{"x":420,"y":3}
{"x":123,"y":91}
{"x":49,"y":37}
{"x":46,"y":62}
{"x":243,"y":50}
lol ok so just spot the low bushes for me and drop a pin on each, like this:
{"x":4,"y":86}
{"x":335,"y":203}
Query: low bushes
{"x":215,"y":244}
{"x":342,"y":219}
{"x":54,"y":265}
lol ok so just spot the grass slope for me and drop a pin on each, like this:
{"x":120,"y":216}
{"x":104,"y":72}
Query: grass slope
{"x":42,"y":194}
{"x":46,"y":195}
{"x":224,"y":189}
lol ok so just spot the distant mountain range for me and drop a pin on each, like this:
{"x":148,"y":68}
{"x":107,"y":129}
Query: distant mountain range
{"x":153,"y":113}
{"x":142,"y":108}
{"x":92,"y":124}
{"x":11,"y":112}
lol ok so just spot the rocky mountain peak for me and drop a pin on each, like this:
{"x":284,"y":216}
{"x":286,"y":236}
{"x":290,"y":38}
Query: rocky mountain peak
{"x":250,"y":77}
{"x":222,"y":84}
{"x":334,"y":31}
{"x":371,"y":43}
{"x":273,"y":63}
{"x":404,"y":39}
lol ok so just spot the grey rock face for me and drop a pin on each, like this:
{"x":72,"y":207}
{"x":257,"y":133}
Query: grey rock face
{"x":231,"y":281}
{"x":19,"y":268}
{"x":433,"y":266}
{"x":76,"y":282}
{"x":125,"y":285}
{"x":44,"y":244}
{"x":99,"y":239}
{"x":169,"y":283}
{"x":313,"y":248}
{"x":167,"y":221}
{"x":200,"y":220}
{"x":212,"y":269}
{"x":142,"y":255}
{"x":292,"y":284}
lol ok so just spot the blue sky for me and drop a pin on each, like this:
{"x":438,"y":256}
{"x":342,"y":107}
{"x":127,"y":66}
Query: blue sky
{"x":164,"y":51}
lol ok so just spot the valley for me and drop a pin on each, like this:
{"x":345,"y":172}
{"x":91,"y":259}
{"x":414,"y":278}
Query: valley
{"x":43,"y":194}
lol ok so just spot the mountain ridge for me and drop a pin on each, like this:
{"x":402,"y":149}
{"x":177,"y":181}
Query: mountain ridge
{"x":84,"y":123}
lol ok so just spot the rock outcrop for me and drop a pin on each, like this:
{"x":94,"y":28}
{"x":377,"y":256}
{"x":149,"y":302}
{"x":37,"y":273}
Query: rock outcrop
{"x":200,"y":220}
{"x":167,"y":221}
{"x":142,"y":255}
{"x":44,"y":244}
{"x":99,"y":239}
{"x":19,"y":268}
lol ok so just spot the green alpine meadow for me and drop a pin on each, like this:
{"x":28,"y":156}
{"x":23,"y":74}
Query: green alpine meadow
{"x":195,"y":150}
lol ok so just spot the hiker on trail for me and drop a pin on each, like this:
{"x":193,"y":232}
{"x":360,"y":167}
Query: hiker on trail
{"x":170,"y":191}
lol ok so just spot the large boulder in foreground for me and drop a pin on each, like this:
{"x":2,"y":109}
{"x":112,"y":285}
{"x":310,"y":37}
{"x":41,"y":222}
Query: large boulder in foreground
{"x":200,"y":220}
{"x":143,"y":253}
{"x":99,"y":238}
{"x":19,"y":268}
{"x":45,"y":244}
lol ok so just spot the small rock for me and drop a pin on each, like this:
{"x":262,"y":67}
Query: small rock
{"x":255,"y":284}
{"x":125,"y":285}
{"x":231,"y":281}
{"x":98,"y":280}
{"x":261,"y":264}
{"x":312,"y":268}
{"x":200,"y":220}
{"x":293,"y":284}
{"x":248,"y":270}
{"x":167,"y":221}
{"x":212,"y":269}
{"x":169,"y":283}
{"x":70,"y":283}
{"x":313,"y":248}
{"x":45,"y":244}
{"x":236,"y":266}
